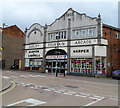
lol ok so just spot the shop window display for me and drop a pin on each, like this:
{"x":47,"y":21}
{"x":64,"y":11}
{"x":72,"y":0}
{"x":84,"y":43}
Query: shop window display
{"x":36,"y":64}
{"x":100,"y":65}
{"x":81,"y":65}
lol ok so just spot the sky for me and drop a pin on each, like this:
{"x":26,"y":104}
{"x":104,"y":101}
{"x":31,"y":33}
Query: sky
{"x":24,"y":13}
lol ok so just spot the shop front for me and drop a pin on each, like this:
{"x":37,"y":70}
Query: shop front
{"x":89,"y":60}
{"x":34,"y":59}
{"x":56,"y":60}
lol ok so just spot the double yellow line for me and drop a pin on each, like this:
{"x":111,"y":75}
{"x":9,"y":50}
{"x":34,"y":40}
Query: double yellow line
{"x":13,"y":85}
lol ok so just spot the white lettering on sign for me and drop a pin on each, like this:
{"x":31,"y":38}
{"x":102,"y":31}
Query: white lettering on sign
{"x":55,"y":44}
{"x":57,"y":57}
{"x":33,"y":53}
{"x":32,"y":46}
{"x":81,"y":51}
{"x":84,"y":42}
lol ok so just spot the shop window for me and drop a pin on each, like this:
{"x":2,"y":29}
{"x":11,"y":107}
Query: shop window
{"x":36,"y":64}
{"x":100,"y":65}
{"x":81,"y":65}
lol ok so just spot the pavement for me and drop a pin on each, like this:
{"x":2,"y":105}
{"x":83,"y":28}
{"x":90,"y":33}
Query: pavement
{"x":6,"y":83}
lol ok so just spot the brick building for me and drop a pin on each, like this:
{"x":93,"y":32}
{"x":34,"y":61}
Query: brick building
{"x":0,"y":44}
{"x":12,"y":43}
{"x":112,"y":34}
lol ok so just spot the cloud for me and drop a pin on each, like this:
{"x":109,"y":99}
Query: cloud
{"x":24,"y":14}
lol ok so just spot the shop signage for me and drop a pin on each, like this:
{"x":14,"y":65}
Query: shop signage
{"x":81,"y":51}
{"x":57,"y":57}
{"x":33,"y":53}
{"x":33,"y":46}
{"x":56,"y":44}
{"x":84,"y":42}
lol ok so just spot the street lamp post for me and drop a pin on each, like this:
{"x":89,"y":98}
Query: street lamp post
{"x":1,"y":47}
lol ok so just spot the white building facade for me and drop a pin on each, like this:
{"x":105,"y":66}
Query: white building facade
{"x":73,"y":43}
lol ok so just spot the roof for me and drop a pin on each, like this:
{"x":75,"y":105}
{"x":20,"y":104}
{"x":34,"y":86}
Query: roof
{"x":111,"y":27}
{"x":73,"y":12}
{"x":13,"y":31}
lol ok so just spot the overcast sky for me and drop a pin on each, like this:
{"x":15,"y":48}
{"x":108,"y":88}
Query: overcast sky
{"x":25,"y":13}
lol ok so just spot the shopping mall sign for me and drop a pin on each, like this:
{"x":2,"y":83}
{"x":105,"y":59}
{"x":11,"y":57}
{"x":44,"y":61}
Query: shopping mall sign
{"x":84,"y":42}
{"x":56,"y":44}
{"x":56,"y":57}
{"x":88,"y":42}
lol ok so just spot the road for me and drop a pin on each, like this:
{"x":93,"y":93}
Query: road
{"x":40,"y":89}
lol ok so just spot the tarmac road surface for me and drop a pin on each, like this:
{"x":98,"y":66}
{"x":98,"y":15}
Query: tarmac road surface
{"x":38,"y":89}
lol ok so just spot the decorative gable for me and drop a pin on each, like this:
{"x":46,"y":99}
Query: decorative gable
{"x":34,"y":34}
{"x":77,"y":20}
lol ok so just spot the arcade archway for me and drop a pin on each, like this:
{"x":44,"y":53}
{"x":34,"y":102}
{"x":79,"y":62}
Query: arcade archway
{"x":56,"y":60}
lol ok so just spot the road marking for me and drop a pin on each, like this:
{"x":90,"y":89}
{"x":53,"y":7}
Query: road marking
{"x":32,"y":101}
{"x":9,"y":89}
{"x":94,"y":101}
{"x":80,"y":95}
{"x":85,"y":94}
{"x":46,"y":89}
{"x":14,"y":76}
{"x":23,"y":76}
{"x":114,"y":99}
{"x":6,"y":77}
{"x":68,"y":93}
{"x":93,"y":98}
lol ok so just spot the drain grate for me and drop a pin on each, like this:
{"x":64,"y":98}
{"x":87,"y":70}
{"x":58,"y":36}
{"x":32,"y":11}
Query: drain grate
{"x":70,"y":86}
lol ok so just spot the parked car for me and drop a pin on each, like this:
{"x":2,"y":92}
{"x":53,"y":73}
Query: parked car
{"x":116,"y":74}
{"x":14,"y":67}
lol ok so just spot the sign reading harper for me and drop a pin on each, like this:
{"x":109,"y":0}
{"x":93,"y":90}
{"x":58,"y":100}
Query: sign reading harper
{"x":81,"y":51}
{"x":84,"y":42}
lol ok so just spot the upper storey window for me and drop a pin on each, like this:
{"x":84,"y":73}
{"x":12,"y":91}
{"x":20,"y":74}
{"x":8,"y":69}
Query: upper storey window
{"x":86,"y":32}
{"x":57,"y":35}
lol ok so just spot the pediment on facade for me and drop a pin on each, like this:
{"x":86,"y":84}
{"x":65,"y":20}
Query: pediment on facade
{"x":76,"y":18}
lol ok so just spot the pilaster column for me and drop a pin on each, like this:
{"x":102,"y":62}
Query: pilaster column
{"x":44,"y":48}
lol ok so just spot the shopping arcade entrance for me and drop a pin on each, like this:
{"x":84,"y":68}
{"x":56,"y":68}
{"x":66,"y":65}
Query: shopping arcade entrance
{"x":56,"y":61}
